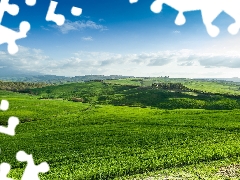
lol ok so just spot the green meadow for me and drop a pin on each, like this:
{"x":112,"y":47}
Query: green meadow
{"x":126,"y":129}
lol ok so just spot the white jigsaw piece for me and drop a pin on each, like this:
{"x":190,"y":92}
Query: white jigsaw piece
{"x":12,"y":121}
{"x":4,"y":170}
{"x":209,"y":9}
{"x":12,"y":9}
{"x":4,"y":105}
{"x":76,"y":11}
{"x":7,"y":35}
{"x":30,"y":2}
{"x":31,"y":171}
{"x":59,"y":19}
{"x":133,"y":1}
{"x":12,"y":124}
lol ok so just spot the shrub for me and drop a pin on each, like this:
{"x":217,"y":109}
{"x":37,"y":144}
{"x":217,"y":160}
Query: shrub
{"x":224,"y":104}
{"x":77,"y":99}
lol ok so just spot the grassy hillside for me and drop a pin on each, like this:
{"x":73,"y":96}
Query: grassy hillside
{"x":213,"y":86}
{"x":80,"y":141}
{"x":138,"y":96}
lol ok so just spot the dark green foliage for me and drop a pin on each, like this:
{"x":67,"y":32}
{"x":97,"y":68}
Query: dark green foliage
{"x":165,"y":96}
{"x":223,"y":104}
{"x":23,"y":87}
{"x":184,"y":103}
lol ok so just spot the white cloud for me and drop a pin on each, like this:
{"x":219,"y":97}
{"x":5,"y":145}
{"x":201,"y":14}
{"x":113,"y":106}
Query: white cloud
{"x":89,"y":38}
{"x":176,"y":32}
{"x":183,"y":63}
{"x":44,"y":28}
{"x":25,"y":61}
{"x":211,"y":60}
{"x":79,"y":25}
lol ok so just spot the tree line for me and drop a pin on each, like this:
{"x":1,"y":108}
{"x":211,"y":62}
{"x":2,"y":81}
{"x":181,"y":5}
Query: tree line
{"x":20,"y":86}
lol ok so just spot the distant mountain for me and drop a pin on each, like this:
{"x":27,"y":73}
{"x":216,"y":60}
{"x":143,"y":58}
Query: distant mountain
{"x":233,"y":79}
{"x":8,"y":72}
{"x":18,"y":77}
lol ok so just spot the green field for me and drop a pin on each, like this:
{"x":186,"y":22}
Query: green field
{"x":127,"y":94}
{"x":103,"y":138}
{"x":223,"y":87}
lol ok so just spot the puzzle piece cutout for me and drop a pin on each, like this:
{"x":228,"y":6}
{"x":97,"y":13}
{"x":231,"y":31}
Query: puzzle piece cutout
{"x":4,"y":105}
{"x":133,"y":1}
{"x":59,"y":19}
{"x":12,"y":9}
{"x":76,"y":11}
{"x":12,"y":124}
{"x":31,"y":171}
{"x":12,"y":121}
{"x":209,"y":10}
{"x":7,"y":35}
{"x":30,"y":2}
{"x":4,"y":170}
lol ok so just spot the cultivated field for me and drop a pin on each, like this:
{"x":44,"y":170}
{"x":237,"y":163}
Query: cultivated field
{"x":126,"y":131}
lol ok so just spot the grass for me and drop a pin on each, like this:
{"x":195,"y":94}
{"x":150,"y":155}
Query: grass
{"x":80,"y":141}
{"x":215,"y":170}
{"x":132,"y":95}
{"x":222,"y":87}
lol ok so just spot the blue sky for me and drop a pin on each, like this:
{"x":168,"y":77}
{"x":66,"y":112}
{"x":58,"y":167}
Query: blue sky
{"x":116,"y":37}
